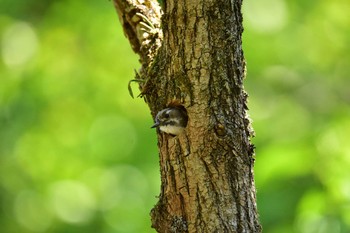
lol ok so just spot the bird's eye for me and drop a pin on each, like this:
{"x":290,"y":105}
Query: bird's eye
{"x":166,"y":115}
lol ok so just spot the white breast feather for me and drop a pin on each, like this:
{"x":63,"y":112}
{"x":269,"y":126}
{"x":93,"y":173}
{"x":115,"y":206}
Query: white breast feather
{"x":171,"y":129}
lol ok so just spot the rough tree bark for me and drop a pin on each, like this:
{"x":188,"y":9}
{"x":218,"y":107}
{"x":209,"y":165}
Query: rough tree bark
{"x":192,"y":55}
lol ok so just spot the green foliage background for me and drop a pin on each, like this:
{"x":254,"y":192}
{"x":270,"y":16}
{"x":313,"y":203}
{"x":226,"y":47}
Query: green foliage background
{"x":76,"y":151}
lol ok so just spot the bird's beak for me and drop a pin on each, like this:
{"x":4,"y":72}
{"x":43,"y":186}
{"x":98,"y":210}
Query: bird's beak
{"x":155,"y":125}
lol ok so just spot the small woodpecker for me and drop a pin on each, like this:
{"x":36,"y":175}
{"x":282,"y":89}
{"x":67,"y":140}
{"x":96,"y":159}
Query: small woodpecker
{"x":172,"y":120}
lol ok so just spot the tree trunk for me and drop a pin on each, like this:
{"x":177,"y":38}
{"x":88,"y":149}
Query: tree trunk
{"x":207,"y":182}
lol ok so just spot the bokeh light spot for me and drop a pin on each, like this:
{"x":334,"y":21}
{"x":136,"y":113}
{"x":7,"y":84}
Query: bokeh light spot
{"x":266,"y":15}
{"x":19,"y":44}
{"x":117,"y":181}
{"x":31,"y":211}
{"x":72,"y":201}
{"x":318,"y":224}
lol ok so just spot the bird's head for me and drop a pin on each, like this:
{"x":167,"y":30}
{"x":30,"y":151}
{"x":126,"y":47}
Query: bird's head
{"x":171,"y":120}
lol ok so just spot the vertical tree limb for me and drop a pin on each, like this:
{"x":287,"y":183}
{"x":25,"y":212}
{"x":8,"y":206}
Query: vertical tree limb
{"x":207,"y":182}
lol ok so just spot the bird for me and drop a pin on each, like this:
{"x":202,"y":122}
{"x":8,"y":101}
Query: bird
{"x":172,"y":120}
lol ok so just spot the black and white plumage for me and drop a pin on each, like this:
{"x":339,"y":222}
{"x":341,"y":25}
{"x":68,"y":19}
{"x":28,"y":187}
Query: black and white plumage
{"x":171,"y":120}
